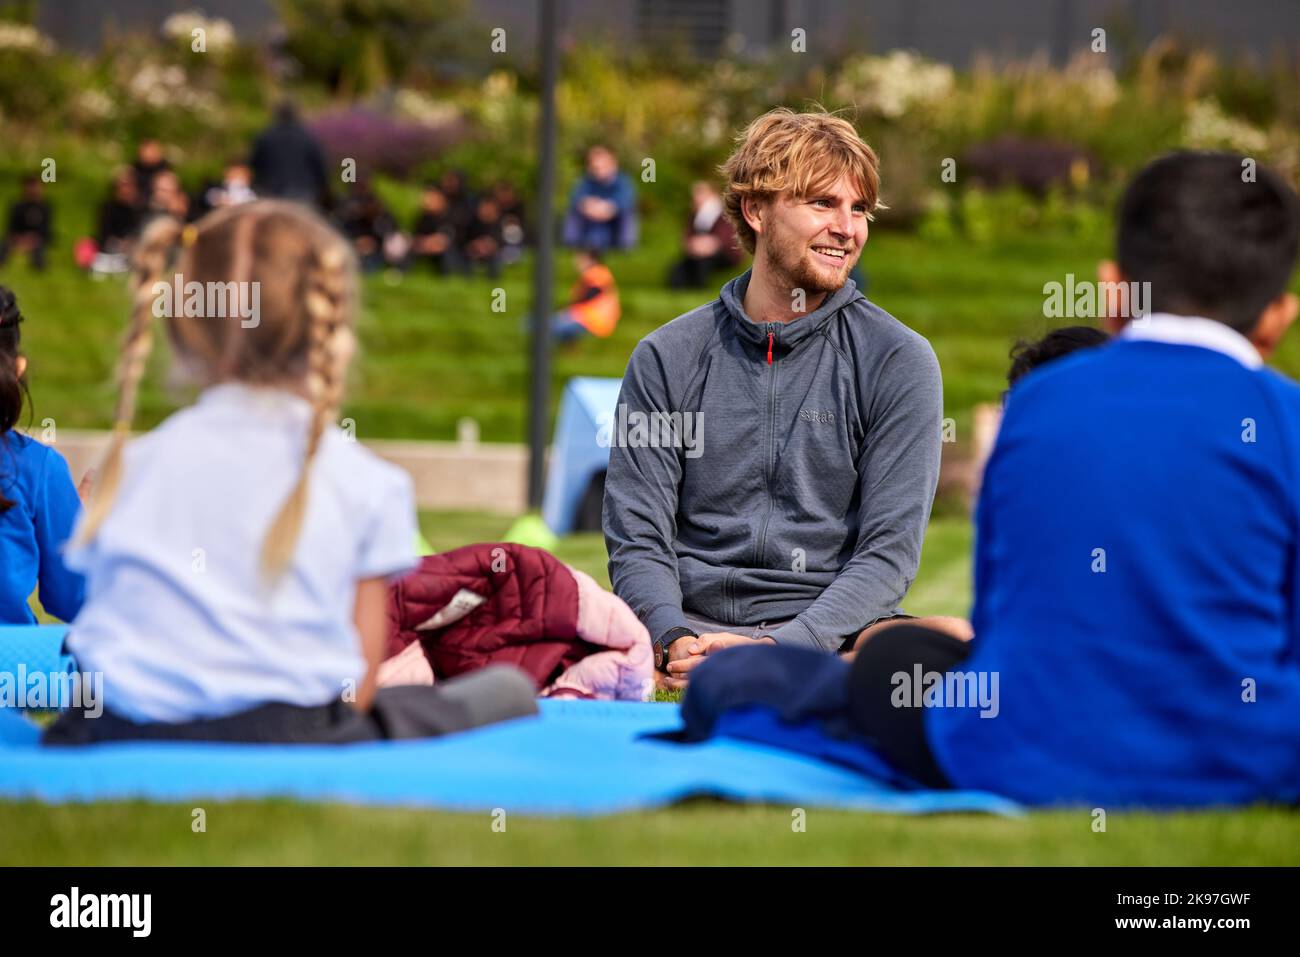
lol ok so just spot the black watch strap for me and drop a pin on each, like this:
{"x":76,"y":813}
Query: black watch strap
{"x":667,"y":638}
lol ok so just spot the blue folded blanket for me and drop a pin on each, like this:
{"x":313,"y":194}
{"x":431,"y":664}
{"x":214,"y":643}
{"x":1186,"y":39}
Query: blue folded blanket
{"x":575,"y":758}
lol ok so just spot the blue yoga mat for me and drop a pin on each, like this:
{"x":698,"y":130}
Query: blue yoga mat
{"x":575,"y":758}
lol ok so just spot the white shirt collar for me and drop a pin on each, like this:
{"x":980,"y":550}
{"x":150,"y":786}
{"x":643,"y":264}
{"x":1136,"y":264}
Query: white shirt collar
{"x":264,"y":401}
{"x":1194,"y":331}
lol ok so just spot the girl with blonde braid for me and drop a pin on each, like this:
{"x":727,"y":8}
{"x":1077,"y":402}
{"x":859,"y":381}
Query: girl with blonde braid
{"x":237,"y":557}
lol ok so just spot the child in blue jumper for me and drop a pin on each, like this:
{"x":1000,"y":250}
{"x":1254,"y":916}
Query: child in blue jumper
{"x":1137,"y":559}
{"x":38,"y":502}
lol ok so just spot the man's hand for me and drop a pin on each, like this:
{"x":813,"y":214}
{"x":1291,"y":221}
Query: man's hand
{"x":721,"y":640}
{"x":686,"y":654}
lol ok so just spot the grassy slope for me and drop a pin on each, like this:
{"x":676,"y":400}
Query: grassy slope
{"x":434,"y":351}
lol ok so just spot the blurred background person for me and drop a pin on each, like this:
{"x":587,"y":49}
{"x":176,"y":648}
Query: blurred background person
{"x":367,"y":224}
{"x":460,"y":204}
{"x":709,"y":243}
{"x":30,"y":224}
{"x":288,"y":162}
{"x":118,"y":226}
{"x":602,"y":206}
{"x":484,"y":240}
{"x":168,"y":198}
{"x":119,"y":214}
{"x":236,"y":187}
{"x":433,"y":236}
{"x":149,"y":162}
{"x":594,"y":307}
{"x":513,"y":232}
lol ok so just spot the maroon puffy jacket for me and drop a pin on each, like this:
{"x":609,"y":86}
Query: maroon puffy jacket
{"x":490,"y":604}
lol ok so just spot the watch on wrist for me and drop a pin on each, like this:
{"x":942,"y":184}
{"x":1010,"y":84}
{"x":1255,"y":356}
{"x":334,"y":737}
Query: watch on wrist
{"x":667,"y":638}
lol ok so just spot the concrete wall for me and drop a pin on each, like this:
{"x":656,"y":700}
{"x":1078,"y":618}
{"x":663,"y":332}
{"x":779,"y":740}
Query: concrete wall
{"x":447,"y":475}
{"x":485,"y":477}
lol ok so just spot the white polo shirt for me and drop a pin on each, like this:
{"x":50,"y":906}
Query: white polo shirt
{"x":177,"y":616}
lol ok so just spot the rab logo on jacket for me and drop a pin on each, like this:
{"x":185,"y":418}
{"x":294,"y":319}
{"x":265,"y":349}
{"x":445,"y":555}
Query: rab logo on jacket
{"x":822,"y":416}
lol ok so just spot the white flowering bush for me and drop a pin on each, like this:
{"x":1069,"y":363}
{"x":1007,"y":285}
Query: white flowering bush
{"x":165,"y":86}
{"x":20,"y":36}
{"x":92,"y":105}
{"x":894,"y":84}
{"x":414,"y":105}
{"x":218,"y":35}
{"x":1208,"y":127}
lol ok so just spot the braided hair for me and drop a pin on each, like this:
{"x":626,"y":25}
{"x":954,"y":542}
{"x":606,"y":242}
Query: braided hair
{"x":306,"y":276}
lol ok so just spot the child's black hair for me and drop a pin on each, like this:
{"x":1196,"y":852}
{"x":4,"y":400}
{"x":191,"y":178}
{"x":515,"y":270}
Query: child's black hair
{"x":1213,"y":233}
{"x":1026,"y":356}
{"x":13,"y":387}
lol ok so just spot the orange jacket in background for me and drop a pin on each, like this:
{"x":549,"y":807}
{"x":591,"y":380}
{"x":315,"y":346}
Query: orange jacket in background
{"x":595,"y":300}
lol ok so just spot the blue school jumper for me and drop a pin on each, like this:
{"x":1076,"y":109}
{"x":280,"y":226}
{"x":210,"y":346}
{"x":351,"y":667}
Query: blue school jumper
{"x":33,"y":532}
{"x":1136,"y":581}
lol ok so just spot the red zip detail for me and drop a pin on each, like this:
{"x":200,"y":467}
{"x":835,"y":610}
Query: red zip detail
{"x":770,"y":337}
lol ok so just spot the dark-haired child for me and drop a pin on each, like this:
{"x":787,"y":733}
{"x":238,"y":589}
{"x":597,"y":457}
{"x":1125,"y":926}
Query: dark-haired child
{"x":38,"y":502}
{"x":1026,"y":356}
{"x":1138,"y":535}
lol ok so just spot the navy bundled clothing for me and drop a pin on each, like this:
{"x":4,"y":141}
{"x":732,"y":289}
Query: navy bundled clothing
{"x":822,"y":706}
{"x":34,"y":530}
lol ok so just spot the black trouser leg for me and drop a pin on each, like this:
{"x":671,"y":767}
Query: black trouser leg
{"x":492,"y":694}
{"x":898,"y":732}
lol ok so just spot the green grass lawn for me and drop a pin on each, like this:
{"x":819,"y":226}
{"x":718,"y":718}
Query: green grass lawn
{"x":698,"y":832}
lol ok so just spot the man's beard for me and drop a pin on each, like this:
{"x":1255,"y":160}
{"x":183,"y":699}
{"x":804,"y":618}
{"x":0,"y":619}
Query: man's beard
{"x":793,"y":267}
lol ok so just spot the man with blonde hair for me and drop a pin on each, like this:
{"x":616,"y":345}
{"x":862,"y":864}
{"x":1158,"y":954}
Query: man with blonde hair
{"x":784,"y":496}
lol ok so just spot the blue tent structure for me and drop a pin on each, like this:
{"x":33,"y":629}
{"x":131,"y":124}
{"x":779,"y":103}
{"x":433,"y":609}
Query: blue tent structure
{"x":578,"y":456}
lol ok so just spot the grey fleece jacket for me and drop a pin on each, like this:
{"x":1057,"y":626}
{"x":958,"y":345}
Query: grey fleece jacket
{"x":749,"y":489}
